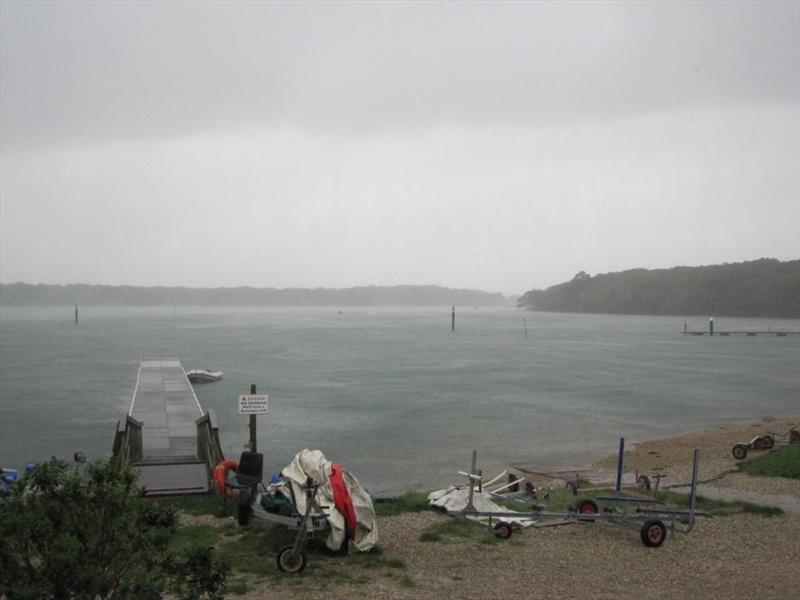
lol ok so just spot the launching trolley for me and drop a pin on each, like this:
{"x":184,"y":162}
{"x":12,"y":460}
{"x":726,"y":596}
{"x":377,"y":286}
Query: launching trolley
{"x":645,"y":514}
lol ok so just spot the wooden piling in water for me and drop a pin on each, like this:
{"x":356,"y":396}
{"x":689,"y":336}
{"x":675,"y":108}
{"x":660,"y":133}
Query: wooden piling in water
{"x":453,"y":320}
{"x":76,"y":314}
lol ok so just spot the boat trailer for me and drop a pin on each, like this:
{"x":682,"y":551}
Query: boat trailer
{"x":634,"y":512}
{"x":768,"y":441}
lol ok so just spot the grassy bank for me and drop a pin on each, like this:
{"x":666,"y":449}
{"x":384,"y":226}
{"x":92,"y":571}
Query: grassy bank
{"x":783,"y":462}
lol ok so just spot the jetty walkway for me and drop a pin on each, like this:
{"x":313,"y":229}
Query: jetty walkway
{"x":166,"y":434}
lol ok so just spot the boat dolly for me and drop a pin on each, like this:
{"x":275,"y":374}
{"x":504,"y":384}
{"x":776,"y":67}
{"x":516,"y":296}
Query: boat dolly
{"x":768,"y":441}
{"x":634,"y":512}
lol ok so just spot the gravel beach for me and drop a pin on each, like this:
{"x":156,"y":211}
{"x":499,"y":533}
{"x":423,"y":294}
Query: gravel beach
{"x":739,"y":556}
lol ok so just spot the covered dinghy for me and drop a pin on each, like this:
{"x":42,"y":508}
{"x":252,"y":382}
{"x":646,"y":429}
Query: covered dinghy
{"x":350,"y":507}
{"x":455,"y":499}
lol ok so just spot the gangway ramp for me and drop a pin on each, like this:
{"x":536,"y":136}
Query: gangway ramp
{"x":163,"y":417}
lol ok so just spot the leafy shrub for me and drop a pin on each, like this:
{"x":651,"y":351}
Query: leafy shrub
{"x":64,"y":534}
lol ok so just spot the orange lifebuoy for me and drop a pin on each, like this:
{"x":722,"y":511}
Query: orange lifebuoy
{"x":221,"y":476}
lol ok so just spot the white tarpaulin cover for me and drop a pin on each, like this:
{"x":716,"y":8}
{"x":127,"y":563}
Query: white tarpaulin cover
{"x":454,"y":499}
{"x":312,"y":463}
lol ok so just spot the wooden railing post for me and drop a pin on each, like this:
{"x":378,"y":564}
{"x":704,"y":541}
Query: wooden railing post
{"x":135,"y":450}
{"x":209,"y":449}
{"x":202,"y":438}
{"x":127,"y":442}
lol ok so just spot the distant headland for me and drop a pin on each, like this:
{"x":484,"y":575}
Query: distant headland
{"x":24,"y":294}
{"x":758,"y":288}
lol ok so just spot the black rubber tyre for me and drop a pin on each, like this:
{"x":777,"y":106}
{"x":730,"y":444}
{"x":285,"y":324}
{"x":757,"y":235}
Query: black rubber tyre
{"x":644,"y":482}
{"x":571,"y":488}
{"x":503,"y":530}
{"x":586,"y":507}
{"x":769,"y":442}
{"x":739,"y":451}
{"x":653,"y":533}
{"x":289,"y":562}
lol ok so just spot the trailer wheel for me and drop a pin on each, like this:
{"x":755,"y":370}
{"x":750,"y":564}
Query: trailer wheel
{"x":644,"y":482}
{"x":289,"y":562}
{"x":653,"y":533}
{"x":503,"y":530}
{"x":769,"y":442}
{"x":571,"y":488}
{"x":587,"y":507}
{"x":739,"y":451}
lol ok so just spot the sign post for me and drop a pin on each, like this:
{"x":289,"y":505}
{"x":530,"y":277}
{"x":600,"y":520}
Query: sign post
{"x":253,"y":404}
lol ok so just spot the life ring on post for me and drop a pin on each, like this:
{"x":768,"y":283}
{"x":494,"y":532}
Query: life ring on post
{"x":221,"y":476}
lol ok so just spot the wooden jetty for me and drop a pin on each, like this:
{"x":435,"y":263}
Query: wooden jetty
{"x":166,"y":434}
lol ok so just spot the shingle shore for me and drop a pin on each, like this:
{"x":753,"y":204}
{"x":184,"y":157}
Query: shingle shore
{"x":741,"y":556}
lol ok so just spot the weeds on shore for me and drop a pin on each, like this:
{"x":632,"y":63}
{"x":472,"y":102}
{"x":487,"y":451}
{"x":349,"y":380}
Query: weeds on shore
{"x":407,"y":502}
{"x":251,"y":551}
{"x":719,"y":508}
{"x":783,"y":462}
{"x":200,"y":505}
{"x":458,"y":528}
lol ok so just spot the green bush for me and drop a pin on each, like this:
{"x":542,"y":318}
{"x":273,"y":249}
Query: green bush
{"x":64,"y":534}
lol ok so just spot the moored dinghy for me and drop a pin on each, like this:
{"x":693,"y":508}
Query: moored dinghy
{"x":203,"y":376}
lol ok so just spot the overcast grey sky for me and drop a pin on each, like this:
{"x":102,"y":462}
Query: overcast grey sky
{"x":492,"y":146}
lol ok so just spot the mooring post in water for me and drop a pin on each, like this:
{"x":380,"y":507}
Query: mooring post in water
{"x":685,"y":326}
{"x":253,"y":446}
{"x":711,"y":326}
{"x":525,"y":327}
{"x":620,"y":462}
{"x":453,"y":320}
{"x":76,"y":314}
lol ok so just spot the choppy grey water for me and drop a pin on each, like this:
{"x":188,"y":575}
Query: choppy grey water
{"x":393,"y":394}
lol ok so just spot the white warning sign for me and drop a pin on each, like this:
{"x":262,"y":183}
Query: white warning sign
{"x":254,"y":404}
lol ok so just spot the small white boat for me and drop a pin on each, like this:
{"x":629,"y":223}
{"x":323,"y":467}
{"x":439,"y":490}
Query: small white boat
{"x":203,"y":376}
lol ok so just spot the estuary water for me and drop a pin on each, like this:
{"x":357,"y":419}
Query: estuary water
{"x":392,"y":393}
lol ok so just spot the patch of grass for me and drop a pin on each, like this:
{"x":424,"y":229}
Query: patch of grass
{"x":459,"y":528}
{"x":407,"y":502}
{"x":719,"y":508}
{"x":395,"y":563}
{"x":206,"y":504}
{"x":406,"y":582}
{"x":783,"y":462}
{"x":236,"y":587}
{"x":189,"y":537}
{"x":430,"y":536}
{"x":252,"y":552}
{"x":489,"y":540}
{"x":373,"y":560}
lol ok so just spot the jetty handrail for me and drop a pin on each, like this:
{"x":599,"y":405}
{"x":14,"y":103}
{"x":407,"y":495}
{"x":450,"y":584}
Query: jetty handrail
{"x":209,"y":448}
{"x":127,"y":442}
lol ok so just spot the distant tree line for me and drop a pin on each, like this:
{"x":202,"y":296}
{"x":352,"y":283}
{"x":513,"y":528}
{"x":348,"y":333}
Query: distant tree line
{"x":23,"y":294}
{"x":758,"y":288}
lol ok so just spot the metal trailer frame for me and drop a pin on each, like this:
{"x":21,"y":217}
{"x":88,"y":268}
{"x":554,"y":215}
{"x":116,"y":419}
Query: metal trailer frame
{"x":649,"y":521}
{"x":291,"y":558}
{"x":573,"y":479}
{"x":316,"y":521}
